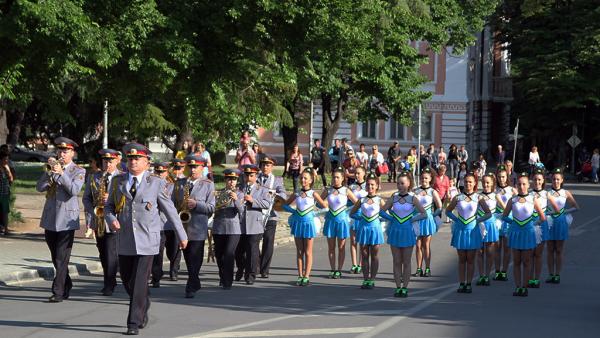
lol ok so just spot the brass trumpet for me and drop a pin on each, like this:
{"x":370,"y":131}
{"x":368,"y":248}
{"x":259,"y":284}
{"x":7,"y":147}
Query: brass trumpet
{"x":51,"y":163}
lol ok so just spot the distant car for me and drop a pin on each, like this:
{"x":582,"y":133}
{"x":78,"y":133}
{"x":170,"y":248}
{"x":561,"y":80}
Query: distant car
{"x":22,"y":154}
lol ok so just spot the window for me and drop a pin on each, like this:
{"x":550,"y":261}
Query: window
{"x":426,"y":126}
{"x":369,"y":129}
{"x":396,"y":130}
{"x":277,"y":129}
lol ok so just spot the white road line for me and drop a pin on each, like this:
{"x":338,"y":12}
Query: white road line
{"x":405,"y":314}
{"x":281,"y":333}
{"x":311,"y":313}
{"x":578,"y":230}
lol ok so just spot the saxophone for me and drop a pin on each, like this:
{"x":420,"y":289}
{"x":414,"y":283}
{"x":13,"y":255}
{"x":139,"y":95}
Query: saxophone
{"x":184,"y":212}
{"x":99,"y":205}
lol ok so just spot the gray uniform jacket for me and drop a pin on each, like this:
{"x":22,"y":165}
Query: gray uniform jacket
{"x":275,"y":185}
{"x":203,"y":193}
{"x":252,"y":217}
{"x":139,"y":219}
{"x":227,"y":219}
{"x":166,"y":225}
{"x":61,"y":210}
{"x":89,"y":194}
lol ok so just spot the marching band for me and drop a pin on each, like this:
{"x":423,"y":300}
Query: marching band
{"x":137,"y":215}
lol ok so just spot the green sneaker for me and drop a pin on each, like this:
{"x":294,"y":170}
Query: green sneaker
{"x":337,"y":275}
{"x":504,"y":276}
{"x":332,"y":274}
{"x":556,"y":279}
{"x":419,"y":273}
{"x":461,"y":288}
{"x":371,"y":284}
{"x":517,"y":292}
{"x":498,"y":275}
{"x":530,"y":283}
{"x":468,"y":288}
{"x":550,"y":279}
{"x":486,"y":281}
{"x":358,"y":269}
{"x":299,"y":281}
{"x":427,"y":272}
{"x":365,"y":284}
{"x":305,"y":281}
{"x":398,"y":292}
{"x":353,"y":269}
{"x":480,"y":281}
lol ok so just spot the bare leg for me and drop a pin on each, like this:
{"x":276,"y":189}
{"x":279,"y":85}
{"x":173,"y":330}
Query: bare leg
{"x":341,"y":253}
{"x":462,"y":261}
{"x":470,"y":265}
{"x":490,"y":252}
{"x":299,"y":255}
{"x":536,"y":266}
{"x":331,"y":252}
{"x":498,"y":257}
{"x":354,"y":252}
{"x":517,"y":268}
{"x":507,"y":251}
{"x":559,"y":255}
{"x":427,"y":250}
{"x":526,"y":256}
{"x":480,"y":261}
{"x":406,"y":255}
{"x":397,"y":259}
{"x":551,"y":250}
{"x":364,"y":249}
{"x":374,"y":260}
{"x":309,"y":256}
{"x":419,"y":252}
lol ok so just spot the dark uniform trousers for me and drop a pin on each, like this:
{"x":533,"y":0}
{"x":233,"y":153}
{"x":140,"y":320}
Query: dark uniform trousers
{"x":193,"y":255}
{"x":268,"y":246}
{"x":109,"y":258}
{"x":135,"y":271}
{"x":157,"y":262}
{"x":247,"y":255}
{"x":173,"y":252}
{"x":225,"y":246}
{"x":60,"y":244}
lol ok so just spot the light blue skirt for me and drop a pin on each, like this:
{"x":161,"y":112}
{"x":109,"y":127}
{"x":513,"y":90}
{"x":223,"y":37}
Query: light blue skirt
{"x":558,"y":228}
{"x":427,"y":225}
{"x":303,"y":226}
{"x":505,"y":225}
{"x":466,"y":236}
{"x":492,"y":228}
{"x":522,"y":237}
{"x":542,"y":230}
{"x":337,"y":226}
{"x":401,"y":235}
{"x":369,"y":233}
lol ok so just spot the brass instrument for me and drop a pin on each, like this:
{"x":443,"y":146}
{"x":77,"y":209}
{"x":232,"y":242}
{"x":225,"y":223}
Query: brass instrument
{"x":51,"y":163}
{"x":99,"y":205}
{"x":222,"y":198}
{"x":184,"y":212}
{"x":51,"y":192}
{"x":171,"y":178}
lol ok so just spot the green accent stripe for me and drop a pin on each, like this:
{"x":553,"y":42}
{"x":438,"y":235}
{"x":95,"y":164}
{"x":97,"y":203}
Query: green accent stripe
{"x":428,"y":207}
{"x":480,"y":213}
{"x":523,"y":222}
{"x":370,"y":219}
{"x":401,"y":219}
{"x":560,"y":212}
{"x":499,"y":210}
{"x":305,"y":212}
{"x":468,"y":220}
{"x":338,"y":211}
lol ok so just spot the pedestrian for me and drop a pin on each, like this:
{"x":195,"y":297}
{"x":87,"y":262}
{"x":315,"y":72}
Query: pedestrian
{"x":294,"y":165}
{"x":194,"y":195}
{"x":512,"y":176}
{"x":302,"y":224}
{"x":453,"y":161}
{"x":561,"y":219}
{"x":161,"y":170}
{"x":200,"y":150}
{"x":350,"y":165}
{"x":317,"y":158}
{"x":595,"y":161}
{"x":442,"y":157}
{"x":500,"y":155}
{"x":60,"y":216}
{"x":463,"y":155}
{"x":260,"y":155}
{"x":441,"y":184}
{"x":185,"y":150}
{"x":334,"y":153}
{"x":433,"y":156}
{"x":362,"y":156}
{"x":481,"y":166}
{"x":337,"y":220}
{"x":466,"y":235}
{"x":534,"y":159}
{"x":428,"y":226}
{"x":267,"y":179}
{"x":460,"y":176}
{"x":486,"y":255}
{"x":245,"y":155}
{"x":344,"y":150}
{"x":522,"y":237}
{"x":376,"y":160}
{"x":504,"y":192}
{"x":6,"y":180}
{"x":359,"y":190}
{"x":227,"y":229}
{"x":133,"y":203}
{"x":95,"y":196}
{"x":401,"y":211}
{"x":393,"y":157}
{"x":369,"y":233}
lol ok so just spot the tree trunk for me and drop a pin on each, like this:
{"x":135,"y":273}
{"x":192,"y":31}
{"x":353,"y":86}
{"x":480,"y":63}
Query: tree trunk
{"x":15,"y":123}
{"x":290,"y":134}
{"x":331,"y":121}
{"x":3,"y":122}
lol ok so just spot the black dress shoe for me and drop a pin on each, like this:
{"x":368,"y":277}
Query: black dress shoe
{"x":174,"y":278}
{"x":238,"y":275}
{"x":227,"y":287}
{"x":55,"y":299}
{"x":132,"y":331}
{"x":67,"y":293}
{"x":144,"y":322}
{"x":155,"y":284}
{"x":107,"y":292}
{"x":250,"y":281}
{"x":190,"y":294}
{"x":264,"y":275}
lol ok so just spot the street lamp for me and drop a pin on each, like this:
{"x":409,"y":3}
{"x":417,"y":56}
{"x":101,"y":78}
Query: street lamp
{"x":471,"y":104}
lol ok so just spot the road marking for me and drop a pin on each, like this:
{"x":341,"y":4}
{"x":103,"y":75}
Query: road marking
{"x":281,"y":333}
{"x":395,"y":320}
{"x":310,"y":313}
{"x":578,"y":230}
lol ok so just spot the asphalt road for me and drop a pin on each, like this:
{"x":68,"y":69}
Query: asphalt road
{"x":335,"y":308}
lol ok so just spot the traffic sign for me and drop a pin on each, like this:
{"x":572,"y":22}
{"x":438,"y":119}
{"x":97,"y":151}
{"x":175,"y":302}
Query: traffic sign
{"x":573,"y":141}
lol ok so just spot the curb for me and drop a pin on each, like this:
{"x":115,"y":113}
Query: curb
{"x":16,"y":278}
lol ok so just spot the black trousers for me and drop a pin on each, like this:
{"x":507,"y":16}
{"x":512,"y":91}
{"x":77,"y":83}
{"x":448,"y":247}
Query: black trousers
{"x":193,"y":255}
{"x":268,"y":246}
{"x":60,"y":244}
{"x":247,"y":255}
{"x":173,"y":252}
{"x":109,"y":258}
{"x":157,"y":261}
{"x":225,"y":246}
{"x":392,"y":171}
{"x":135,"y":271}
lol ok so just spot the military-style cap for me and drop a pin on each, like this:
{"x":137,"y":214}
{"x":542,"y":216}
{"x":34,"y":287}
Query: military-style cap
{"x":231,"y":173}
{"x":267,"y":160}
{"x":136,"y":150}
{"x":65,"y":143}
{"x":194,"y":160}
{"x":251,"y":169}
{"x":108,"y":153}
{"x":178,"y":163}
{"x":160,"y":166}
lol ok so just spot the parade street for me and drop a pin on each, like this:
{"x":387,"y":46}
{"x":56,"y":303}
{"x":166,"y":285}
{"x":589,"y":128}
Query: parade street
{"x":275,"y":307}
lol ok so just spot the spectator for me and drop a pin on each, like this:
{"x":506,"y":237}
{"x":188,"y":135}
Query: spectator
{"x":185,"y":150}
{"x":460,"y":176}
{"x":317,"y":159}
{"x":424,"y":159}
{"x":512,"y":176}
{"x":294,"y":166}
{"x":362,"y":156}
{"x":375,"y":160}
{"x":481,"y":166}
{"x":463,"y":155}
{"x":411,"y":158}
{"x":595,"y":164}
{"x":334,"y":153}
{"x":257,"y":149}
{"x":442,"y":157}
{"x":350,"y":165}
{"x":6,"y":180}
{"x":441,"y":184}
{"x":534,"y":158}
{"x":245,"y":155}
{"x":200,"y":150}
{"x":344,"y":150}
{"x":6,"y":149}
{"x":393,"y":157}
{"x":433,"y":157}
{"x":453,"y":161}
{"x":501,"y":156}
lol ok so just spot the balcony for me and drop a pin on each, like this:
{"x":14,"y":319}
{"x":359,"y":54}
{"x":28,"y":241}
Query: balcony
{"x":502,"y":88}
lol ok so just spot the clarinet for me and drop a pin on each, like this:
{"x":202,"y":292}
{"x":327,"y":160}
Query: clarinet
{"x":247,"y":192}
